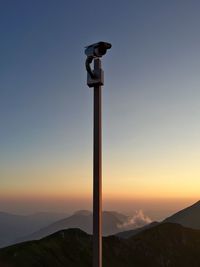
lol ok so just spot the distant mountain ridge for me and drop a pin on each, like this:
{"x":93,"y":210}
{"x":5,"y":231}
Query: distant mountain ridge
{"x":83,"y":220}
{"x":166,"y":244}
{"x":18,"y":228}
{"x":13,"y":226}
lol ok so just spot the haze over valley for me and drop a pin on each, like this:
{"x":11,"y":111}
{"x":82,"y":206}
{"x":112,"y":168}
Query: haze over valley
{"x":167,"y":243}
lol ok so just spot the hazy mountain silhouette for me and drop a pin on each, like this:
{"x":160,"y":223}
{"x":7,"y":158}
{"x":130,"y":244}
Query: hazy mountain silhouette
{"x":18,"y":228}
{"x":188,"y":217}
{"x":83,"y":220}
{"x":14,"y":226}
{"x":166,"y":244}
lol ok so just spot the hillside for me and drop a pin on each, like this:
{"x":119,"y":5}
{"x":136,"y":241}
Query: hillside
{"x":130,"y":233}
{"x":188,"y":217}
{"x":164,"y":245}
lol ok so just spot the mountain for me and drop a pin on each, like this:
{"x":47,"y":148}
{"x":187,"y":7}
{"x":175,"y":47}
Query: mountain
{"x":165,"y":245}
{"x":83,"y":220}
{"x":130,"y":233}
{"x":188,"y":217}
{"x":14,"y":226}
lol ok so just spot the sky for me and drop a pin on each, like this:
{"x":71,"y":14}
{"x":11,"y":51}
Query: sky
{"x":151,"y":111}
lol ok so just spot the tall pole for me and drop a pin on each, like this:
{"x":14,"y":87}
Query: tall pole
{"x":95,"y":79}
{"x":97,"y":173}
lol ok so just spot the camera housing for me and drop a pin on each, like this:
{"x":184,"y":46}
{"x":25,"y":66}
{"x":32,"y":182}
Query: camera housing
{"x":97,"y":49}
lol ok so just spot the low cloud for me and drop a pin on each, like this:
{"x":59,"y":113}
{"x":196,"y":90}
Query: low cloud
{"x":139,"y":219}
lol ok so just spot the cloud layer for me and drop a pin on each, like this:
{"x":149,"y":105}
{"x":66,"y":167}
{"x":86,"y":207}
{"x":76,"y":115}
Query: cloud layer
{"x":139,"y":219}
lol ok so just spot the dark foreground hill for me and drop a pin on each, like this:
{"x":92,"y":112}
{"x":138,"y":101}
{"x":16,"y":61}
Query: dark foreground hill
{"x":188,"y":217}
{"x":130,"y":233}
{"x":165,"y":245}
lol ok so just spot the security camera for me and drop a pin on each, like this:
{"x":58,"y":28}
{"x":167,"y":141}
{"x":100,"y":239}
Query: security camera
{"x":94,"y":52}
{"x":97,"y":50}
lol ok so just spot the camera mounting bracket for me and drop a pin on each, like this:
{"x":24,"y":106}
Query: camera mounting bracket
{"x":94,"y":77}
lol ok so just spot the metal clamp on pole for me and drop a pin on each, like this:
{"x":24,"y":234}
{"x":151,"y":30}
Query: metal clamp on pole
{"x":94,"y":77}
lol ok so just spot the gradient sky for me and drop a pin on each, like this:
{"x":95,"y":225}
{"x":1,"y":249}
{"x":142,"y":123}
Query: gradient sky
{"x":151,"y":102}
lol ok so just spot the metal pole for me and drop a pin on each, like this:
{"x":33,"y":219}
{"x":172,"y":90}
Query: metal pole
{"x":97,"y":173}
{"x":95,"y":79}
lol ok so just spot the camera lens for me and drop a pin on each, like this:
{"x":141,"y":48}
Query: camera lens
{"x":100,"y":51}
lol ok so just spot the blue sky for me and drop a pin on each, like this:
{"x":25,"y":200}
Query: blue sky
{"x":150,"y":99}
